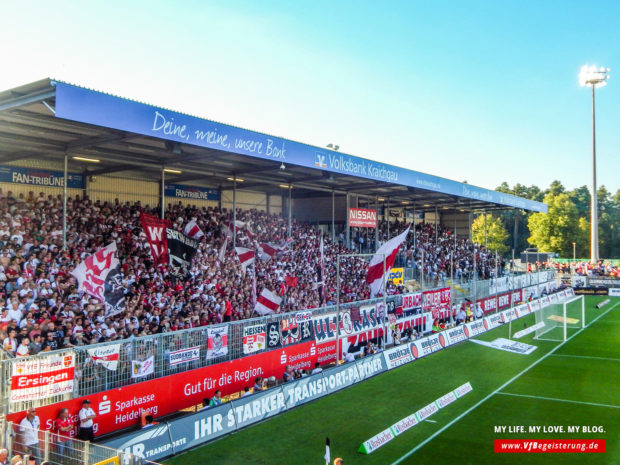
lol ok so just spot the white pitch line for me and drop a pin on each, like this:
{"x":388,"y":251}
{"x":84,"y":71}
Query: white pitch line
{"x":431,"y":421}
{"x":588,"y":357}
{"x":479,"y":403}
{"x":594,"y":404}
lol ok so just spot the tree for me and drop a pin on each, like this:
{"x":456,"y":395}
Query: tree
{"x":556,"y":230}
{"x":496,"y":234}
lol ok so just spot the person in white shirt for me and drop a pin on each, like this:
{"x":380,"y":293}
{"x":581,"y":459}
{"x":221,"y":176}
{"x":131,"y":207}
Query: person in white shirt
{"x":23,"y":349}
{"x":317,"y":369}
{"x":29,"y":429}
{"x":86,"y":415}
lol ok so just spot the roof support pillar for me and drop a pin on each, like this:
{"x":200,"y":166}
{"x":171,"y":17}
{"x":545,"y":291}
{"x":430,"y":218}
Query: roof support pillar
{"x":333,"y":215}
{"x":64,"y":203}
{"x":348,"y":237}
{"x":234,"y":216}
{"x":162,"y":193}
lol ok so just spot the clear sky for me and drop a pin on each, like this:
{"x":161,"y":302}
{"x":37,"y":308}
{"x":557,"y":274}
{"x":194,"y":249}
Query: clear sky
{"x":483,"y":91}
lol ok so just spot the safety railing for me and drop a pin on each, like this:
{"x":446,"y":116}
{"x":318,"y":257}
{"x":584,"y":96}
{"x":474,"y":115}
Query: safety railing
{"x":111,"y":365}
{"x":27,"y":440}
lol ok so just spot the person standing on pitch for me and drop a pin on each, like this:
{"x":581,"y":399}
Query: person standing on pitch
{"x":87,"y":415}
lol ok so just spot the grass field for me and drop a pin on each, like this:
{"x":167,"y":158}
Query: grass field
{"x":572,"y":383}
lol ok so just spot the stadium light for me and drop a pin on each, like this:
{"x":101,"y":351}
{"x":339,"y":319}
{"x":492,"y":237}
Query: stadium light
{"x":236,"y":179}
{"x":89,"y":160}
{"x":170,"y":170}
{"x":286,"y":186}
{"x":591,"y":76}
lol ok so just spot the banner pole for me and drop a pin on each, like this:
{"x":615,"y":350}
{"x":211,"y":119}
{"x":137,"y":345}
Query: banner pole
{"x":385,"y":278}
{"x":338,"y":306}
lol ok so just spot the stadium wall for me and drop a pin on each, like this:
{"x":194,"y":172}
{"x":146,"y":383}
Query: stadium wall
{"x":247,"y":200}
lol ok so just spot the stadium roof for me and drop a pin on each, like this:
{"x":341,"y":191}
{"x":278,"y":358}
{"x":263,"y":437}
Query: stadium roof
{"x":48,"y":119}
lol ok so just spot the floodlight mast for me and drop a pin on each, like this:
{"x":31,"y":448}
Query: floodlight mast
{"x":591,"y":76}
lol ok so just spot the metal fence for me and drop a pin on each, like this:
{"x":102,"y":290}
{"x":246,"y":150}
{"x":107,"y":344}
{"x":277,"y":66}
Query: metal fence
{"x":24,"y":440}
{"x":91,"y":377}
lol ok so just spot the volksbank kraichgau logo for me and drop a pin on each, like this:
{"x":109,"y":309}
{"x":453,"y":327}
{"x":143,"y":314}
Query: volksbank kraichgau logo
{"x":320,"y":161}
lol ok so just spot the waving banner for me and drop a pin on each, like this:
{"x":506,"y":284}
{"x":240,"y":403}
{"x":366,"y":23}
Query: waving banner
{"x":100,"y":276}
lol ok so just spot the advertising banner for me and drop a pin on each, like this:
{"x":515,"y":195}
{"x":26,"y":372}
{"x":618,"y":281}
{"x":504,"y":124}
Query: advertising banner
{"x":324,"y":326}
{"x":508,"y":346}
{"x":150,"y":444}
{"x":362,"y":218}
{"x":474,"y":328}
{"x":454,"y":335}
{"x":503,"y":301}
{"x":184,"y":356}
{"x":427,"y":345}
{"x":256,"y":407}
{"x":493,"y":321}
{"x":398,"y":355}
{"x":205,"y":425}
{"x":304,"y":390}
{"x":397,"y":276}
{"x":436,"y":301}
{"x":412,"y":301}
{"x":42,"y":377}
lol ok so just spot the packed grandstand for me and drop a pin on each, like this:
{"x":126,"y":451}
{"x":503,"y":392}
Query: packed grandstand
{"x":41,"y":300}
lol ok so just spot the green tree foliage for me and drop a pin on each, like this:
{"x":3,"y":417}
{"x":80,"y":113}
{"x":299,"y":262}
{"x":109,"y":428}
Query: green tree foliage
{"x":496,"y":234}
{"x":563,"y":225}
{"x":556,"y":230}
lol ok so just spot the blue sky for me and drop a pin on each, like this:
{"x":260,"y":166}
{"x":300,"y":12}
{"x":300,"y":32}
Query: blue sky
{"x":483,"y":91}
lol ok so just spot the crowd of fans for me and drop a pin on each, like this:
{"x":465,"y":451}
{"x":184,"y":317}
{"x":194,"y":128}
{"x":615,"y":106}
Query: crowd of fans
{"x":583,"y":268}
{"x":41,"y":307}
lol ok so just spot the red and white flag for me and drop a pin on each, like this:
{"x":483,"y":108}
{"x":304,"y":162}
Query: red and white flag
{"x":249,"y":232}
{"x":266,"y":251}
{"x":228,"y":229}
{"x":267,"y":303}
{"x":192,"y":230}
{"x":155,"y":230}
{"x":246,"y":257}
{"x":106,"y":356}
{"x":99,"y":275}
{"x":376,"y":274}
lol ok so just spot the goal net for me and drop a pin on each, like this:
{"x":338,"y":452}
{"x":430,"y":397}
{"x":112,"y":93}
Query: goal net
{"x":557,"y":322}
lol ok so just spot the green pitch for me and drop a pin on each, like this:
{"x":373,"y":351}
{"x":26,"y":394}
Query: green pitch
{"x":559,"y":384}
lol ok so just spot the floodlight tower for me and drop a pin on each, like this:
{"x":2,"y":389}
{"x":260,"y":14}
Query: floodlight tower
{"x":591,"y":76}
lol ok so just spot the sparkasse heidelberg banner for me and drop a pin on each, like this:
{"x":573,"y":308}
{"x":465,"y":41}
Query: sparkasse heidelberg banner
{"x":121,"y":408}
{"x":362,"y":218}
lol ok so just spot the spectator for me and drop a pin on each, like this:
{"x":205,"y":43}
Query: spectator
{"x":64,"y":427}
{"x":23,"y":350}
{"x":86,"y":416}
{"x":258,"y":384}
{"x":317,"y":369}
{"x":4,"y":453}
{"x":217,"y":398}
{"x":148,"y":422}
{"x":206,"y":403}
{"x":10,"y":342}
{"x":288,"y":375}
{"x":29,"y":429}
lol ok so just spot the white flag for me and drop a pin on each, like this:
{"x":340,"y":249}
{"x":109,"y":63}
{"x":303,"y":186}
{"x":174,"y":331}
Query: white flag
{"x":267,"y":303}
{"x":246,"y":257}
{"x":376,"y":274}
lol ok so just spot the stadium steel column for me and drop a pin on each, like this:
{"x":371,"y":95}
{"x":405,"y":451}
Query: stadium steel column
{"x":377,"y":223}
{"x":485,"y":228}
{"x":592,"y":77}
{"x":64,"y":204}
{"x":234,"y":219}
{"x":348,"y":236}
{"x":338,"y":303}
{"x":435,"y":226}
{"x":290,"y":211}
{"x":163,"y":192}
{"x":388,"y":219}
{"x":333,"y":215}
